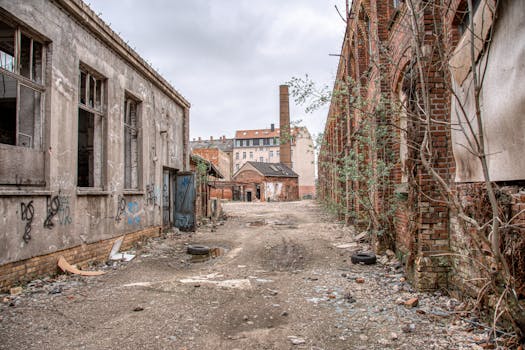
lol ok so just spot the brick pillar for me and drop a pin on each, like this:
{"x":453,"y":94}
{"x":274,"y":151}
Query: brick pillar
{"x":284,"y":132}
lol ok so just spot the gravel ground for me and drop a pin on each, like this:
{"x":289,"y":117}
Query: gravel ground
{"x":277,"y":281}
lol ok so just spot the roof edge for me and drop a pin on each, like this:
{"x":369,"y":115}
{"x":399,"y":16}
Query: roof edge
{"x":87,"y":18}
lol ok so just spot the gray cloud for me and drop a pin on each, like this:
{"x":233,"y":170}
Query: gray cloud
{"x":228,"y":57}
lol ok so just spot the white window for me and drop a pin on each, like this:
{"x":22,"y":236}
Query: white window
{"x":21,"y":87}
{"x":243,"y":155}
{"x":251,"y":155}
{"x":237,"y":155}
{"x":90,"y":150}
{"x":271,"y":154}
{"x":131,"y":147}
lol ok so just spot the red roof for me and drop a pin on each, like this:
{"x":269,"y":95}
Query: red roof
{"x":256,"y":134}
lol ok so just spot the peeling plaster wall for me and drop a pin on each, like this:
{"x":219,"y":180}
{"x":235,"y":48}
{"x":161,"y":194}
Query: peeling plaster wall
{"x":503,"y":103}
{"x":303,"y":162}
{"x":110,"y":211}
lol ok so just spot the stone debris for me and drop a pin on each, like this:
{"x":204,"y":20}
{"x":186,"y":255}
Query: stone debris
{"x":351,"y":306}
{"x":412,"y":302}
{"x":296,"y":340}
{"x":15,"y":291}
{"x":409,"y":328}
{"x":361,"y":237}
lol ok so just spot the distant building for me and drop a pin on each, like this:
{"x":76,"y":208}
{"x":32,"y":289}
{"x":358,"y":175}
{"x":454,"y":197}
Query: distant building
{"x":267,"y":182}
{"x":263,"y":146}
{"x":292,"y":147}
{"x":218,"y":151}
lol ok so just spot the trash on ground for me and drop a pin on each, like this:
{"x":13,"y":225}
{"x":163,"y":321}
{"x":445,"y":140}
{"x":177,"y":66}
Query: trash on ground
{"x":114,"y":253}
{"x":67,"y":267}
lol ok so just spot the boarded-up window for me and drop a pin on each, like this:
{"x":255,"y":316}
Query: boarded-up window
{"x":131,"y":150}
{"x":90,"y":129}
{"x":21,"y":89}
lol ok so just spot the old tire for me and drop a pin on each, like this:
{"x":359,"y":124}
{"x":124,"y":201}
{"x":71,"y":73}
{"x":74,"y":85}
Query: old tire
{"x":196,"y":249}
{"x":364,"y":258}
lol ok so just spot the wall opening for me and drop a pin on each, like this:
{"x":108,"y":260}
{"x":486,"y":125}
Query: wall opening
{"x":90,"y":130}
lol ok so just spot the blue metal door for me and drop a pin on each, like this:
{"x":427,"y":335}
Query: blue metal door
{"x":184,"y":201}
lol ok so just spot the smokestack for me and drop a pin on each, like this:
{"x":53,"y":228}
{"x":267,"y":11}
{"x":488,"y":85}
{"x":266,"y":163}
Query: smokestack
{"x":284,"y":125}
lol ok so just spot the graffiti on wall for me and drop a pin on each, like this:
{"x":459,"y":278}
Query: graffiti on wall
{"x":64,"y":212}
{"x":133,"y":213}
{"x":121,"y":208}
{"x":27,"y":211}
{"x":130,"y":209}
{"x":152,"y":194}
{"x":52,"y":206}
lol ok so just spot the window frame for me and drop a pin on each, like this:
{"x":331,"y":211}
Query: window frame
{"x":135,"y":182}
{"x":100,"y":126}
{"x":23,"y":81}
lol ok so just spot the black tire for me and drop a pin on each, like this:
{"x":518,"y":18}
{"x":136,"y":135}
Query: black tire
{"x":364,"y":258}
{"x":196,"y":249}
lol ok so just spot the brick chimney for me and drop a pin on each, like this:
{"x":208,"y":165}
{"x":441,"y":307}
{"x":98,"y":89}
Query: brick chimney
{"x":211,"y":138}
{"x":285,"y":149}
{"x":199,"y":138}
{"x":272,"y":127}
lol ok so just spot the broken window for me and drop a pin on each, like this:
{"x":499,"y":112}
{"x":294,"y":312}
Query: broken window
{"x":464,"y":21}
{"x":21,"y":89}
{"x":90,"y":129}
{"x":131,"y":151}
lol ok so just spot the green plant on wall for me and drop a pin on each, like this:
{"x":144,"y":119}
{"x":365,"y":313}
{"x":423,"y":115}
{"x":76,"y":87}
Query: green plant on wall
{"x":361,"y":169}
{"x":201,"y":171}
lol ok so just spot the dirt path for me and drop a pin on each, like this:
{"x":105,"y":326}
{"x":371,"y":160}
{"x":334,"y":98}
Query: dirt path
{"x":281,"y":284}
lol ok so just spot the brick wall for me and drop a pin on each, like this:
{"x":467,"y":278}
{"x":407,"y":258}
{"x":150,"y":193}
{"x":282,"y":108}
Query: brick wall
{"x":25,"y":270}
{"x":222,"y":193}
{"x":468,"y":277}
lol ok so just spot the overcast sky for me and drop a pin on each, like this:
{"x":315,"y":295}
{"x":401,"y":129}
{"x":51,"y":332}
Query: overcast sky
{"x":228,"y":57}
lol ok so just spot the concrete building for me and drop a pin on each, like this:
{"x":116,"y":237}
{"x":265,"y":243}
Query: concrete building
{"x":259,"y":145}
{"x":93,"y":141}
{"x":267,"y":182}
